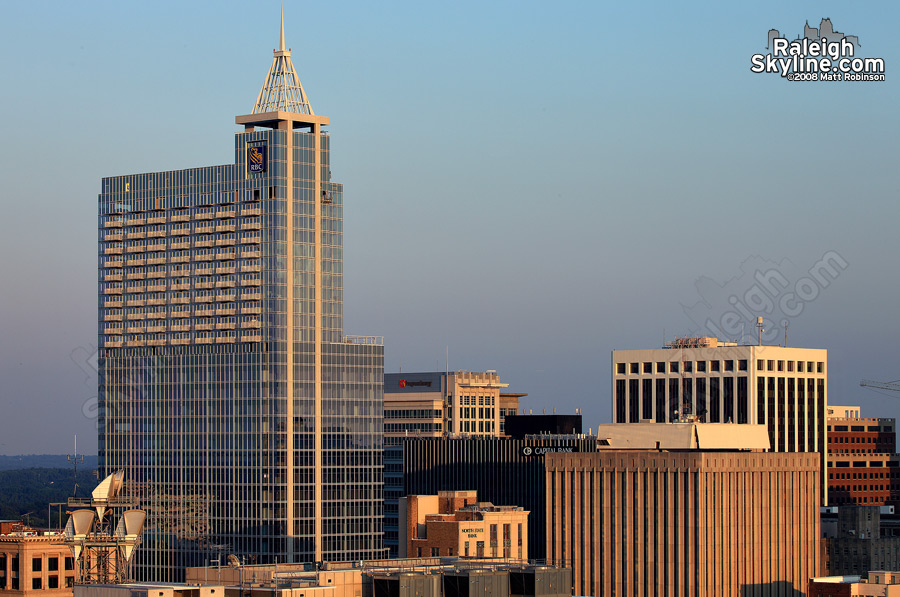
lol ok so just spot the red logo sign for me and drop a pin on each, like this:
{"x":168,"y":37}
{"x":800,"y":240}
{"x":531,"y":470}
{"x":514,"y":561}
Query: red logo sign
{"x":402,"y":383}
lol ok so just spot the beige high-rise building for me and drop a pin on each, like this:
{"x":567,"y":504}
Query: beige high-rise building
{"x":435,"y":404}
{"x":708,"y":380}
{"x":684,"y":523}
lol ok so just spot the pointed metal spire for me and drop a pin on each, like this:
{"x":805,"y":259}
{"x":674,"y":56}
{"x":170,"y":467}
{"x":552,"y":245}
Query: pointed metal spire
{"x":282,"y":90}
{"x":281,"y":39}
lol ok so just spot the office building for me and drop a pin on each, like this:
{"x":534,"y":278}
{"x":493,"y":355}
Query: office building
{"x":863,"y":464}
{"x":684,"y":523}
{"x":35,"y":563}
{"x":501,"y":470}
{"x":860,"y":539}
{"x":712,"y":381}
{"x":438,"y":404}
{"x":246,"y":421}
{"x":455,"y":523}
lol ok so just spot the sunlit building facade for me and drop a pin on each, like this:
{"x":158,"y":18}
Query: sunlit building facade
{"x":711,"y":381}
{"x":246,"y":420}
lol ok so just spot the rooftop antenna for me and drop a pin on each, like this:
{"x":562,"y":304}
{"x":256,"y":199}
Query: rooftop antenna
{"x":785,"y":332}
{"x":74,"y":459}
{"x":759,"y":331}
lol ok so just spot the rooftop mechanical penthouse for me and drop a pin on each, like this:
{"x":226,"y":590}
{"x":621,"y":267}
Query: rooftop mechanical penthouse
{"x":248,"y":422}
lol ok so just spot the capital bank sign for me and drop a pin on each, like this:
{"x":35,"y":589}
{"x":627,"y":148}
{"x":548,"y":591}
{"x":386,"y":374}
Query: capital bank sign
{"x":541,"y":450}
{"x":412,"y":384}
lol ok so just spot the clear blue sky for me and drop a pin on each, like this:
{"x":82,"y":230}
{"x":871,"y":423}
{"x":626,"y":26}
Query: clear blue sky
{"x":530,"y":184}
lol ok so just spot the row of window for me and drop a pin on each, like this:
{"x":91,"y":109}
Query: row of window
{"x":200,"y":283}
{"x":482,"y":426}
{"x":413,"y":427}
{"x":676,"y":366}
{"x":177,"y":270}
{"x":715,"y":366}
{"x":878,"y":475}
{"x":863,"y":428}
{"x":422,"y":413}
{"x":857,"y":440}
{"x":154,"y":219}
{"x":472,"y":412}
{"x":473,"y":400}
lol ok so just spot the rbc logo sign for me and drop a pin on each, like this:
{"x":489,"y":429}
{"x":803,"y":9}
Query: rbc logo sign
{"x":256,"y":158}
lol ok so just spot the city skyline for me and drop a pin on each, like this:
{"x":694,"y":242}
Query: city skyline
{"x":663,"y":175}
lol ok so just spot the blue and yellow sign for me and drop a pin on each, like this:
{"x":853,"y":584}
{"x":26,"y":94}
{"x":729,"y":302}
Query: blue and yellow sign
{"x":256,"y":158}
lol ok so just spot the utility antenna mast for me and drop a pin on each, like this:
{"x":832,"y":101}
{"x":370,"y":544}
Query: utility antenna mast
{"x":74,"y":459}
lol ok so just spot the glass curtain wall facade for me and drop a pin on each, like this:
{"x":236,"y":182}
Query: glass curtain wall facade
{"x":245,"y":419}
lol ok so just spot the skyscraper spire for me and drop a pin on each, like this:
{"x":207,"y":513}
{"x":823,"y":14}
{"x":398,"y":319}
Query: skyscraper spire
{"x":282,"y":90}
{"x":281,"y":39}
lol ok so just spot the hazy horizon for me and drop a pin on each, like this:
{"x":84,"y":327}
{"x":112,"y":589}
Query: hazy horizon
{"x":527,"y":186}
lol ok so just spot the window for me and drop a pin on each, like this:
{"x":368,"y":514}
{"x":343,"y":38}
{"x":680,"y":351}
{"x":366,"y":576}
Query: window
{"x":714,"y":366}
{"x":620,"y":368}
{"x":633,"y":368}
{"x":435,"y":552}
{"x":729,"y":365}
{"x":52,"y":564}
{"x":648,"y":367}
{"x":688,"y":367}
{"x":701,"y":366}
{"x":759,"y":365}
{"x":52,"y":582}
{"x":36,"y":583}
{"x":661,"y":367}
{"x":36,"y":565}
{"x":742,"y":365}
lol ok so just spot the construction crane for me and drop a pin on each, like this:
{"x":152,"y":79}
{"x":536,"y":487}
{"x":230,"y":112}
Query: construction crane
{"x":881,"y":385}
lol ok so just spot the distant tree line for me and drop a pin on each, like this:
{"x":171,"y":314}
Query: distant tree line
{"x":45,"y":461}
{"x":26,"y":493}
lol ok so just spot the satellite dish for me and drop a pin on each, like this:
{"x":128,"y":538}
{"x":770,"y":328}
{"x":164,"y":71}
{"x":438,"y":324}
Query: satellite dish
{"x":233,"y":561}
{"x":130,"y":526}
{"x":108,"y":489}
{"x":79,"y":525}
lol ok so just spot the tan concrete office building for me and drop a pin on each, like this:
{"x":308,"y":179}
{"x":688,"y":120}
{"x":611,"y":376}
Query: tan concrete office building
{"x":437,"y":404}
{"x":708,"y":380}
{"x":684,"y":523}
{"x":34,"y":564}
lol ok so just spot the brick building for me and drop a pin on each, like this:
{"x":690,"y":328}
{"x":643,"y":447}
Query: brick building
{"x":863,"y":466}
{"x":455,"y":523}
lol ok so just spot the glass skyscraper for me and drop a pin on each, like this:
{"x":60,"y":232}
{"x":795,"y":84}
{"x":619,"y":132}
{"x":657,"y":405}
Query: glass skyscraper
{"x":245,"y":419}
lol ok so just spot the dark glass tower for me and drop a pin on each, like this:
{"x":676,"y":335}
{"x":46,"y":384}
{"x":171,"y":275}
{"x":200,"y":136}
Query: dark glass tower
{"x":245,"y":419}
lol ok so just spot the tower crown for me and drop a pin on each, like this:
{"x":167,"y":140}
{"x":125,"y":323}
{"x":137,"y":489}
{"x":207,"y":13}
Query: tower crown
{"x":282,"y":90}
